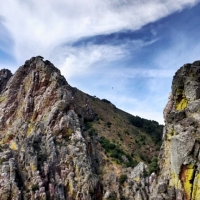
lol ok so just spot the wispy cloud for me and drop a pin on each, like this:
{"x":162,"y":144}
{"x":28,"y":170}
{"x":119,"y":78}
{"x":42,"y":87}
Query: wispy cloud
{"x":39,"y":26}
{"x":184,"y":49}
{"x":79,"y":60}
{"x":144,"y":72}
{"x":74,"y":60}
{"x":110,"y":69}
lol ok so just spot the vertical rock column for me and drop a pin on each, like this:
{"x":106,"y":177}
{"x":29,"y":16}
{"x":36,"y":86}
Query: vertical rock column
{"x":179,"y":158}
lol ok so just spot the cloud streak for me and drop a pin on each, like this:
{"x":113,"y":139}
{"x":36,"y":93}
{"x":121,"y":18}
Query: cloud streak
{"x":37,"y":27}
{"x":65,"y":32}
{"x":78,"y":60}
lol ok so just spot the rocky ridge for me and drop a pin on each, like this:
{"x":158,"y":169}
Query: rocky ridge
{"x":179,"y":160}
{"x":5,"y":75}
{"x":45,"y":152}
{"x":44,"y":155}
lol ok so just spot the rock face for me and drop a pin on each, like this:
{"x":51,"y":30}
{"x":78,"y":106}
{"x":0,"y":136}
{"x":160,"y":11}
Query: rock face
{"x":45,"y":152}
{"x":179,"y":161}
{"x":5,"y":75}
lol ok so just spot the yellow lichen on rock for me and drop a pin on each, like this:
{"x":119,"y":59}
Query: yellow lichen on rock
{"x":196,"y":188}
{"x":186,"y":176}
{"x":137,"y":179}
{"x":33,"y":167}
{"x":182,"y":104}
{"x":174,"y":181}
{"x":13,"y":145}
{"x":30,"y":130}
{"x":71,"y":188}
{"x":170,"y":134}
{"x":3,"y":98}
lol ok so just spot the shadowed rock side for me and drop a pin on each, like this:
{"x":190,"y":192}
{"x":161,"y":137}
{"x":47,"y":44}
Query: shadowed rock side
{"x":179,"y":161}
{"x":45,"y":154}
{"x":5,"y":75}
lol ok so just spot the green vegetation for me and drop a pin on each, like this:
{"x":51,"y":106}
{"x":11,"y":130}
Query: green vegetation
{"x":2,"y":159}
{"x":35,"y":187}
{"x":117,"y":153}
{"x":122,"y":178}
{"x":108,"y":124}
{"x":88,"y":125}
{"x":92,"y":132}
{"x":105,"y":100}
{"x":141,"y":140}
{"x":134,"y":137}
{"x":153,"y":166}
{"x":151,"y":127}
{"x":126,"y":132}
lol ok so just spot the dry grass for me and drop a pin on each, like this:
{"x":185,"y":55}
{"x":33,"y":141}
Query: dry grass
{"x":114,"y":124}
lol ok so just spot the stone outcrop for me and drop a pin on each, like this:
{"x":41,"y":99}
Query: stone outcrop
{"x":179,"y":177}
{"x":45,"y":152}
{"x":5,"y":75}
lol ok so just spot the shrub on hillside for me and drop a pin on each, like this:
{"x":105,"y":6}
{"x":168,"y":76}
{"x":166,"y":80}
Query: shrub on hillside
{"x":153,"y":166}
{"x":151,"y":127}
{"x":117,"y":153}
{"x":122,"y":178}
{"x":105,"y":100}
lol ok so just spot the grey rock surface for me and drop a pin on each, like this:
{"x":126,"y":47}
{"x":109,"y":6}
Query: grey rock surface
{"x":179,"y":176}
{"x":45,"y":152}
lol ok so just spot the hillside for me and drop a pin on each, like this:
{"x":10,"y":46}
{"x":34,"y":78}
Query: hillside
{"x":57,"y":142}
{"x":137,"y":137}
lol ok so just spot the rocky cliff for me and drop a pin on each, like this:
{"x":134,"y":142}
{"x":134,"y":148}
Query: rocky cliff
{"x":43,"y":153}
{"x":179,"y":177}
{"x":5,"y":75}
{"x":49,"y":149}
{"x":58,"y":143}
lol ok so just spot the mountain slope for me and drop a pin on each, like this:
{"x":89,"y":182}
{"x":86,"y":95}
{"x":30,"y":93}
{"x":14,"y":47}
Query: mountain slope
{"x":58,"y":143}
{"x":139,"y":137}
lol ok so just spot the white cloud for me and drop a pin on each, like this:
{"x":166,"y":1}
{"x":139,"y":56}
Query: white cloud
{"x":144,"y":72}
{"x":82,"y":59}
{"x":42,"y":27}
{"x":39,"y":26}
{"x":77,"y":60}
{"x":184,"y":49}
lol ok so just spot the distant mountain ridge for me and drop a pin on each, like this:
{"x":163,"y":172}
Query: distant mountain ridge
{"x":57,"y":142}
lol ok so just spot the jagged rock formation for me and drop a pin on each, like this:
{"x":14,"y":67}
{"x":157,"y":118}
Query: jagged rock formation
{"x":179,"y":177}
{"x":45,"y":152}
{"x":5,"y":75}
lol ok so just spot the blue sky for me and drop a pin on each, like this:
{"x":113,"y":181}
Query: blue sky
{"x":126,"y":51}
